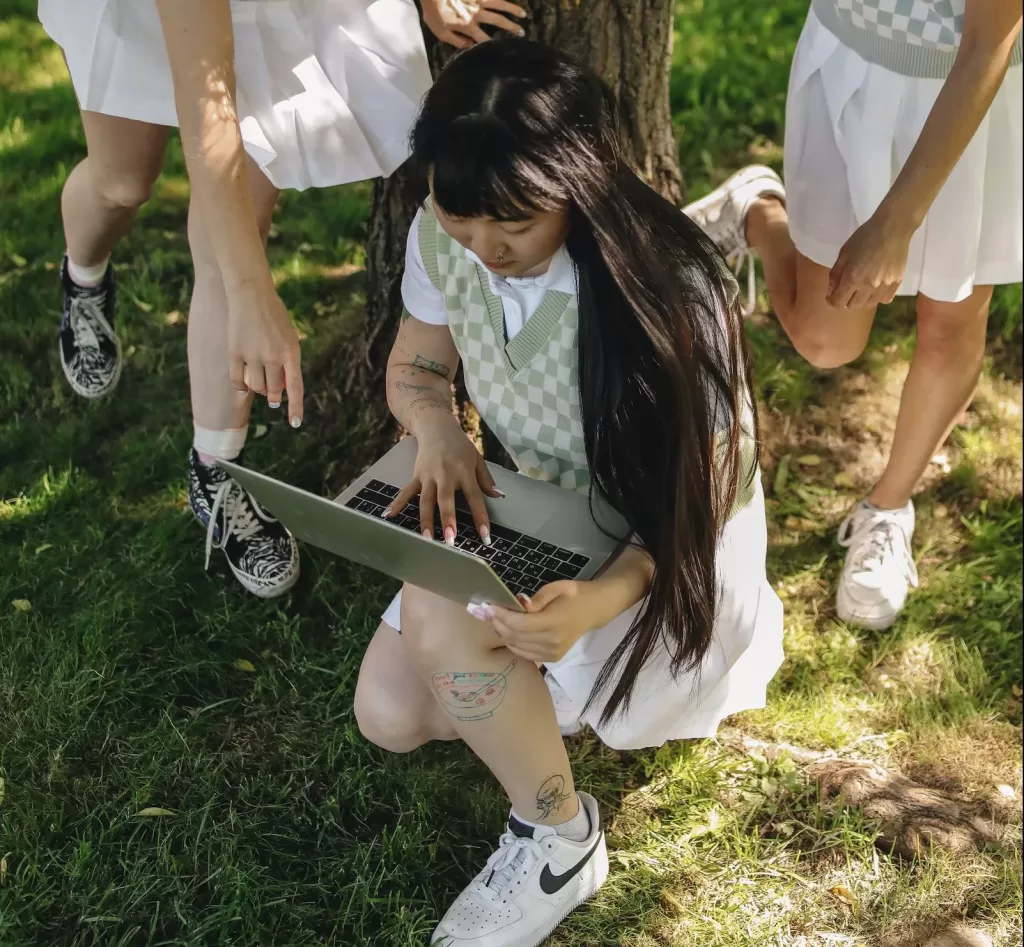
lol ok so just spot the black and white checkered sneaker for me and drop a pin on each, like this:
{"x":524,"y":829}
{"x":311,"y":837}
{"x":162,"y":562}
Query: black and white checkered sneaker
{"x":90,"y":352}
{"x":261,"y":553}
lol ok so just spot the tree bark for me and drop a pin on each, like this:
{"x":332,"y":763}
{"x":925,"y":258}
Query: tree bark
{"x":629,"y":43}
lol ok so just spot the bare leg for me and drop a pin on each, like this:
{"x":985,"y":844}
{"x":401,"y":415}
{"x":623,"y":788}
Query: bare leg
{"x":498,"y":704}
{"x":825,"y":336}
{"x":394,"y":707}
{"x":216,"y":405}
{"x":943,"y":375}
{"x":104,"y":191}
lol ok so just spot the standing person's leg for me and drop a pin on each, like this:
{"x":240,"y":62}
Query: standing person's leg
{"x":879,"y":568}
{"x":100,"y":200}
{"x":260,"y":552}
{"x":943,"y":376}
{"x":553,"y":856}
{"x":105,"y":190}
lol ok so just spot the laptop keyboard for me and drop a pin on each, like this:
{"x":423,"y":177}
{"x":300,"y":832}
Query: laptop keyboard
{"x":522,"y":562}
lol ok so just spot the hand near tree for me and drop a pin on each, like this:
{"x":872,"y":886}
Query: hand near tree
{"x":460,"y":22}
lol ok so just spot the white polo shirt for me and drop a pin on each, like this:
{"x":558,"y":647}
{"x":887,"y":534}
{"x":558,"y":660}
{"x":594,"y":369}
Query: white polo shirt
{"x":520,"y":295}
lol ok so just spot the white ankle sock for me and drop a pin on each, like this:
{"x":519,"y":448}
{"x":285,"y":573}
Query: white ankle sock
{"x":87,"y":276}
{"x":577,"y":829}
{"x":212,"y":446}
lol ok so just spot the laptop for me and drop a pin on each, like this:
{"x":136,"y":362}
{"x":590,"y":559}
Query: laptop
{"x":540,"y":532}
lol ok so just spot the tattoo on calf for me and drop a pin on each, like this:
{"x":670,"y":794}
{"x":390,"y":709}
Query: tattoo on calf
{"x":552,"y":796}
{"x":472,"y":695}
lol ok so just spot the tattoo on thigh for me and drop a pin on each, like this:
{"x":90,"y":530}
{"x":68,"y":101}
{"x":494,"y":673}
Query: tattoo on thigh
{"x":552,"y":796}
{"x":472,"y":695}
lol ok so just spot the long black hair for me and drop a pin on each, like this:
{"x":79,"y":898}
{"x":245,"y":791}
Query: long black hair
{"x":513,"y":127}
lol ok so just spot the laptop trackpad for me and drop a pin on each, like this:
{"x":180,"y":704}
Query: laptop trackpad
{"x":527,"y":505}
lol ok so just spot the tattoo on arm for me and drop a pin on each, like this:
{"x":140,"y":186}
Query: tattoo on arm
{"x":416,"y":389}
{"x":472,"y":695}
{"x":429,"y":399}
{"x":552,"y":796}
{"x":428,"y":364}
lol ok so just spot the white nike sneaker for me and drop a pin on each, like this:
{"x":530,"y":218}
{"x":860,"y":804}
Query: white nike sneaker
{"x":879,"y":569}
{"x":528,"y":886}
{"x":568,"y":712}
{"x":722,"y":215}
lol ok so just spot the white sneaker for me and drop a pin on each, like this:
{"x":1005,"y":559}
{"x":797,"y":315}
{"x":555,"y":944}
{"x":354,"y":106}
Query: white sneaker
{"x":722,"y":215}
{"x":879,"y":567}
{"x":528,"y":886}
{"x":568,"y":712}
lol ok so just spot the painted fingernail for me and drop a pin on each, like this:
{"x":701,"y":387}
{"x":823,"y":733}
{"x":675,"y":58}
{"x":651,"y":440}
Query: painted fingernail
{"x":476,"y":611}
{"x":274,"y":404}
{"x":386,"y":513}
{"x":488,"y":611}
{"x":296,"y":422}
{"x":522,"y":32}
{"x":427,"y":534}
{"x":524,"y":598}
{"x":499,"y":493}
{"x":485,"y":535}
{"x":449,"y":536}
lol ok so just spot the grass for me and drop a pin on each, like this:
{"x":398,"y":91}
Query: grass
{"x":133,"y":683}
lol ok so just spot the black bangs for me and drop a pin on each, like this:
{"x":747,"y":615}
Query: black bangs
{"x":478,"y":172}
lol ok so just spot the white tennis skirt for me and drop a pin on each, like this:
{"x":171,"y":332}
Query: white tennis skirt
{"x":745,"y":653}
{"x":850,"y":126}
{"x":327,"y":90}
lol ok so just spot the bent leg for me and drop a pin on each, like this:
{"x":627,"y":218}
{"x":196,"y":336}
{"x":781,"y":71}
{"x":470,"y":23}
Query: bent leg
{"x":497,"y":703}
{"x":394,"y":708}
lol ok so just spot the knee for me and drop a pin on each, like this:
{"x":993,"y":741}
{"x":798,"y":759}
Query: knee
{"x":826,"y":350}
{"x":127,"y":192}
{"x":950,"y":342}
{"x":383,"y":720}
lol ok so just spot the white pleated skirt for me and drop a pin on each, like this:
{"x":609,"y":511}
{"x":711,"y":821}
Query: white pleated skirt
{"x":745,"y":653}
{"x":850,"y":126}
{"x":327,"y":90}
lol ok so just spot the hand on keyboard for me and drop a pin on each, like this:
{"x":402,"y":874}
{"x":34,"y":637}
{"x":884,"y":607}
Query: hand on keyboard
{"x":447,"y":462}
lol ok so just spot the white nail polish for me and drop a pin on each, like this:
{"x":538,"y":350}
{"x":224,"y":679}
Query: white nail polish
{"x":296,"y":422}
{"x":427,"y":534}
{"x":486,"y":540}
{"x":500,"y":493}
{"x":384,"y":515}
{"x":274,"y":404}
{"x":476,"y":611}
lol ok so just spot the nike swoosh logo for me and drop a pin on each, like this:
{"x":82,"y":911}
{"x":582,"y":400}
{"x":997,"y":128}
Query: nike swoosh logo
{"x":550,"y":883}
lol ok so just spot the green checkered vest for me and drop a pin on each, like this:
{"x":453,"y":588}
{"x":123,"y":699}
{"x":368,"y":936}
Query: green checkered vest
{"x":526,"y":389}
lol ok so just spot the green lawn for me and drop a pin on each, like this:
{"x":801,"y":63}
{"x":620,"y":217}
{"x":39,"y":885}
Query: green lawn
{"x":132,"y":680}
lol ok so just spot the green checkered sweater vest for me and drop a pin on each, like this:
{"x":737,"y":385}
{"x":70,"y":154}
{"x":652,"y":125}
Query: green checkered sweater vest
{"x":526,"y":389}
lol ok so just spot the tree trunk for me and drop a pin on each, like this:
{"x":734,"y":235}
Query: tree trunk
{"x":629,"y":43}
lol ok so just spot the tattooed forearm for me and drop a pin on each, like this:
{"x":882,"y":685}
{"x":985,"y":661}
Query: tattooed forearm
{"x":428,"y":364}
{"x":552,"y":796}
{"x":472,"y":695}
{"x":429,"y":399}
{"x":413,"y":389}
